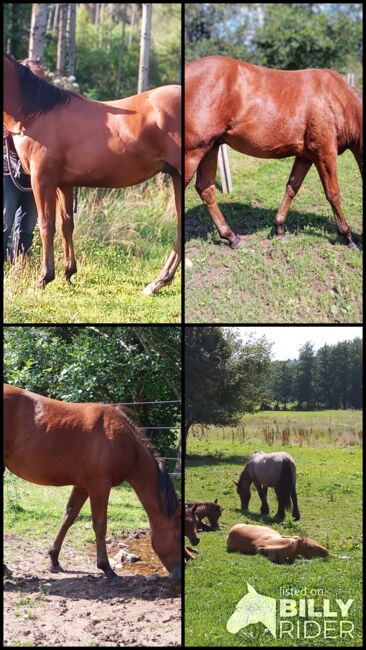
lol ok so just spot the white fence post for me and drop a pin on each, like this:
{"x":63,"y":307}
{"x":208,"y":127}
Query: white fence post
{"x":224,"y":169}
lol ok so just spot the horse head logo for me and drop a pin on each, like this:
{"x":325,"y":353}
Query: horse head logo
{"x":253,"y":608}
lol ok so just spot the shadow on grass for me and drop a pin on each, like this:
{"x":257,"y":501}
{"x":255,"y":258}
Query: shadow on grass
{"x":246,"y":220}
{"x":196,"y":460}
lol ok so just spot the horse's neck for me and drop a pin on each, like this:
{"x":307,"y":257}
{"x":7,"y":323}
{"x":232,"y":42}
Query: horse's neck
{"x":145,"y":482}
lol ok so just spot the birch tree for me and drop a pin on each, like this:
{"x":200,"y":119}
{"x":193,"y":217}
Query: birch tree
{"x":143,"y":78}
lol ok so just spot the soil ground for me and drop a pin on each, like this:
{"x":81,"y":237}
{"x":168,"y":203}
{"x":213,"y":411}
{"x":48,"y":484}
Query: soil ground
{"x":79,"y":607}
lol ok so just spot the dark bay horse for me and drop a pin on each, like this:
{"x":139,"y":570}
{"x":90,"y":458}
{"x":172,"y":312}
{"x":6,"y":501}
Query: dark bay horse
{"x":65,"y":140}
{"x":312,"y":114}
{"x":93,"y":447}
{"x":250,"y":539}
{"x":210,"y":509}
{"x":191,"y":524}
{"x":276,"y":470}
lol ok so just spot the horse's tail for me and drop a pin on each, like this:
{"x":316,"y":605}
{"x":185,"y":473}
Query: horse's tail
{"x":285,"y":484}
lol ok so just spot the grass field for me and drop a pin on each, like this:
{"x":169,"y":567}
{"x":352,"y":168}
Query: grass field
{"x":122,"y":239}
{"x":330,"y":502}
{"x":309,"y":277}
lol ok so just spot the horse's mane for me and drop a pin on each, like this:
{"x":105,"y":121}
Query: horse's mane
{"x":168,"y":498}
{"x":37,"y":95}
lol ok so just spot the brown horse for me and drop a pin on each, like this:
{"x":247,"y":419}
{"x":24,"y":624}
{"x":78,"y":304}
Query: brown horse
{"x":191,"y":524}
{"x":65,"y":140}
{"x":313,"y":115}
{"x":93,"y":447}
{"x":250,"y":539}
{"x":210,"y":509}
{"x":276,"y":470}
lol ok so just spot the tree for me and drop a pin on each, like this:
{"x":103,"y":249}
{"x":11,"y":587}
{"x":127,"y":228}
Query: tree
{"x":283,"y":381}
{"x":305,"y":375}
{"x":143,"y":79}
{"x":224,"y":377}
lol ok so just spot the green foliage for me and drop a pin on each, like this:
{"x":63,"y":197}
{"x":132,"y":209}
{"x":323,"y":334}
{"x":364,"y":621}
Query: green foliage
{"x":224,"y":376}
{"x":282,"y":35}
{"x":103,"y":364}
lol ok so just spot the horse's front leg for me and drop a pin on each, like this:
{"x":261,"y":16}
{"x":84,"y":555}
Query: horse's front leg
{"x":45,"y":196}
{"x":65,"y":205}
{"x":166,"y":275}
{"x":75,"y":503}
{"x":299,"y":170}
{"x":99,"y":506}
{"x":262,"y":492}
{"x":205,"y":186}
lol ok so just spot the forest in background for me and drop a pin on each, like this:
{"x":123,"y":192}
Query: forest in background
{"x":226,"y":377}
{"x":287,"y":36}
{"x":102,"y":48}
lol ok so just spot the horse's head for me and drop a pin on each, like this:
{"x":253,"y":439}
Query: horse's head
{"x":215,"y":511}
{"x":243,"y":490}
{"x":309,"y":549}
{"x":190,"y":524}
{"x":167,"y":544}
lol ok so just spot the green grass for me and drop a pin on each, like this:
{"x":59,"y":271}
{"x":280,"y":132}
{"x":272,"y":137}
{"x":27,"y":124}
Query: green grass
{"x":310,"y":277}
{"x":36,"y":511}
{"x":122,"y":240}
{"x":330,"y":502}
{"x":329,"y":427}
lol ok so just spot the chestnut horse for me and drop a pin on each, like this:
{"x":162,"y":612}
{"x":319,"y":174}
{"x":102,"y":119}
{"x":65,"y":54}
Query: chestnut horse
{"x":65,"y":140}
{"x":210,"y":509}
{"x":313,"y":115}
{"x":191,"y":524}
{"x":250,"y":539}
{"x":277,"y":470}
{"x":93,"y":447}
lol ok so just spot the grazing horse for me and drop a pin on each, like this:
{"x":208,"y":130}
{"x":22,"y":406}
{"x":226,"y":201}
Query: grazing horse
{"x":250,"y":539}
{"x":191,"y":524}
{"x":65,"y":140}
{"x":93,"y":447}
{"x":313,"y":115}
{"x":209,"y":509}
{"x":277,"y":470}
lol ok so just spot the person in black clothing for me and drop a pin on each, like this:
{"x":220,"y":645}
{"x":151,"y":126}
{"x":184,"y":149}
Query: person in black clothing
{"x":19,"y":210}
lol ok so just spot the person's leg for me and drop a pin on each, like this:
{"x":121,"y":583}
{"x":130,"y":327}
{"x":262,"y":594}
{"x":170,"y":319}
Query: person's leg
{"x":10,"y":205}
{"x":24,"y":223}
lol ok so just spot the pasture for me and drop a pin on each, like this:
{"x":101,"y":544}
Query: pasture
{"x":309,"y":277}
{"x":41,"y":607}
{"x":330,"y":502}
{"x":122,"y":238}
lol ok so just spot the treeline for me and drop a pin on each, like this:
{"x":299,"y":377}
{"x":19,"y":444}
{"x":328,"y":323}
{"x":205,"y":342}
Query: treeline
{"x":280,"y":35}
{"x":98,"y":43}
{"x":330,"y":378}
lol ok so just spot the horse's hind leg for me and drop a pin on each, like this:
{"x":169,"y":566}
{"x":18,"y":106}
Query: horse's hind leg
{"x":205,"y":186}
{"x":327,"y":168}
{"x":167,"y":273}
{"x":64,"y":201}
{"x":76,"y":501}
{"x":99,"y":505}
{"x":298,"y":172}
{"x":295,"y":508}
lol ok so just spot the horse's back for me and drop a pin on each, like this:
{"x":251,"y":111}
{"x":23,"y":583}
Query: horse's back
{"x":267,"y":468}
{"x":245,"y":537}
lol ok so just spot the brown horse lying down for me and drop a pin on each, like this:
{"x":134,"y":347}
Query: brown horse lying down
{"x":250,"y":539}
{"x":209,"y":509}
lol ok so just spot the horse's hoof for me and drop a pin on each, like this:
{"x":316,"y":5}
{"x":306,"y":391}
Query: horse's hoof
{"x":353,"y":246}
{"x":237,"y":243}
{"x":56,"y":568}
{"x":112,"y":577}
{"x":283,"y":237}
{"x":151,"y":289}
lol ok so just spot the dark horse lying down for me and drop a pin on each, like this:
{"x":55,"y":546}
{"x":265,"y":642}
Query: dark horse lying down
{"x":93,"y":447}
{"x":313,"y":115}
{"x":65,"y":140}
{"x":277,"y":470}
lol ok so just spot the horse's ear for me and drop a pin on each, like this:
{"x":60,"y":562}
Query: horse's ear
{"x":215,"y":501}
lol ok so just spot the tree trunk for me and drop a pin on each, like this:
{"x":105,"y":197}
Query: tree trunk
{"x":143,"y":79}
{"x":132,"y":25}
{"x":61,"y":40}
{"x":38,"y":30}
{"x":71,"y":39}
{"x":120,"y":61}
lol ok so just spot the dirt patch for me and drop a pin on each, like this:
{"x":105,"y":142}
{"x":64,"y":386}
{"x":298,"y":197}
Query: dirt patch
{"x":79,"y":607}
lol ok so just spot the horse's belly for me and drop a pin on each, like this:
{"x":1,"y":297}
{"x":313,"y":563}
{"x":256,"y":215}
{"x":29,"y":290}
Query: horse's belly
{"x":258,"y":149}
{"x":28,"y":473}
